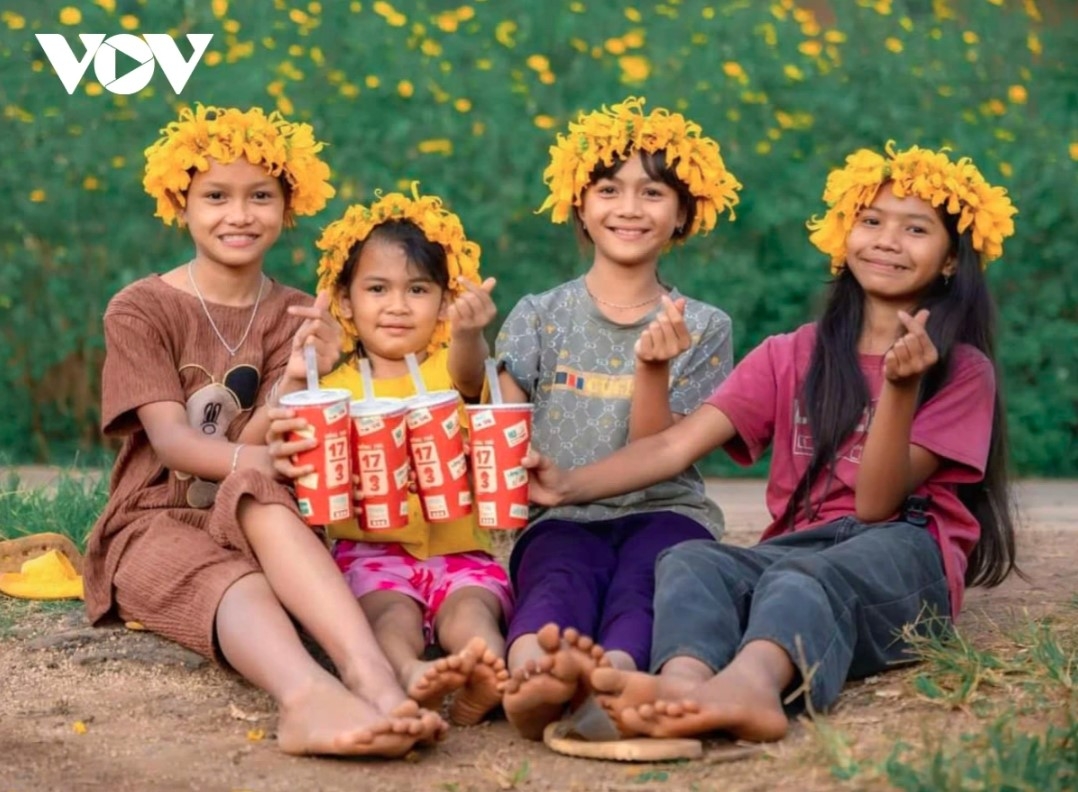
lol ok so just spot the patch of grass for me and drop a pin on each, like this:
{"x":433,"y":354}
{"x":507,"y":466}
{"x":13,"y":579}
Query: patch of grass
{"x":954,"y":671}
{"x":1033,"y":672}
{"x":1001,"y":757}
{"x":1050,"y":654}
{"x":837,"y":749}
{"x":70,"y":506}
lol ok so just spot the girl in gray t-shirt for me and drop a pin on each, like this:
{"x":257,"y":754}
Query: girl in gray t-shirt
{"x":606,"y":358}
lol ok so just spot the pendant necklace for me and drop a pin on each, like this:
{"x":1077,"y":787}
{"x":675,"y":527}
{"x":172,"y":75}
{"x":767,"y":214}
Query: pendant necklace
{"x":232,"y":350}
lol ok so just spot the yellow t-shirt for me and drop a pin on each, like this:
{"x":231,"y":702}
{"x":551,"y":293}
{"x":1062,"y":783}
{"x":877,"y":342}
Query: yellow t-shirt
{"x":420,"y":538}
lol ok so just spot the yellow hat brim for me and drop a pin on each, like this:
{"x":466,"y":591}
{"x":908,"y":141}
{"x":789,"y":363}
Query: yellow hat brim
{"x":48,"y":577}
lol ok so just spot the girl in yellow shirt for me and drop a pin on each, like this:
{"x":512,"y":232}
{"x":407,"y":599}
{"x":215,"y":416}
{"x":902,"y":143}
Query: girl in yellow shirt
{"x":397,"y":291}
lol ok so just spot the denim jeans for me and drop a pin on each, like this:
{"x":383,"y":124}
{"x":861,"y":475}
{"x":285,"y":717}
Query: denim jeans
{"x":835,"y":598}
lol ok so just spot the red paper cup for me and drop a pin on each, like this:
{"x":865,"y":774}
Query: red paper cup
{"x":380,"y":457}
{"x":326,"y":494}
{"x":436,"y":446}
{"x":499,"y":440}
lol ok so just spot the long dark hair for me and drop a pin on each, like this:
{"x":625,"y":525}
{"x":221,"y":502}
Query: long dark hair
{"x":428,"y":257}
{"x":835,"y":394}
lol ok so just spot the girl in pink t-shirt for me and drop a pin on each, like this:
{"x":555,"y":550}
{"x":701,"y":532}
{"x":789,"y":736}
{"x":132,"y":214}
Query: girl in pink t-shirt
{"x":887,"y":486}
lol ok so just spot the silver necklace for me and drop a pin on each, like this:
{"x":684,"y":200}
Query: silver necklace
{"x":619,"y":306}
{"x":232,"y":350}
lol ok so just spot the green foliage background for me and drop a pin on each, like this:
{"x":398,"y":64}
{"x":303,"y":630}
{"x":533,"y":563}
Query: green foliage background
{"x":466,"y":96}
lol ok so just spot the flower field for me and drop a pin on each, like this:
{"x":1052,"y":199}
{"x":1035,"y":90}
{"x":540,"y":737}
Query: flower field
{"x":466,"y":98}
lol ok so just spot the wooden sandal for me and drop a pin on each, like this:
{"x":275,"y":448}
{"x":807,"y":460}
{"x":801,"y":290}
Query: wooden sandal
{"x":15,"y":552}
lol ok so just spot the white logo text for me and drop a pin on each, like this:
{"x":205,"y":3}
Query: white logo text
{"x":144,"y":50}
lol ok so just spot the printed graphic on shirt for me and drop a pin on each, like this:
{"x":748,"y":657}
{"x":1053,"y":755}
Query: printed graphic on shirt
{"x":589,"y":383}
{"x":211,"y":409}
{"x":852,"y":451}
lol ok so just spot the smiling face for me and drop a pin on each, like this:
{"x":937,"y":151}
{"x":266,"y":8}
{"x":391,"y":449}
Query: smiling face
{"x":234,"y":213}
{"x":631,"y":216}
{"x":394,"y":305}
{"x":897,"y":248}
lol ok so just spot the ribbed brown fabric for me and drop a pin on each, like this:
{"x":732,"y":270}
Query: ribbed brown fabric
{"x":151,"y":557}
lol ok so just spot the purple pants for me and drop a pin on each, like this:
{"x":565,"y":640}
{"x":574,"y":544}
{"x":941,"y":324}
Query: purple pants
{"x":598,"y":577}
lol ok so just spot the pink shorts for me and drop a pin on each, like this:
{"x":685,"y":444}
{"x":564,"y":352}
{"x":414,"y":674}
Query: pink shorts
{"x":372,"y":566}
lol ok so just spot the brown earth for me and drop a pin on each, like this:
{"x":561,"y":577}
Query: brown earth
{"x":157,"y":717}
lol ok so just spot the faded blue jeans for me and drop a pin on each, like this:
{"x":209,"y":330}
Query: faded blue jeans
{"x":835,"y":597}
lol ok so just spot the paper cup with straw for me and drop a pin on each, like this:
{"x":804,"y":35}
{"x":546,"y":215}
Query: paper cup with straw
{"x":436,"y":447}
{"x":325,"y":495}
{"x":500,"y":434}
{"x":380,"y":457}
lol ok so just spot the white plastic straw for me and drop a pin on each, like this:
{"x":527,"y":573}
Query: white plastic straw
{"x":311,"y":358}
{"x":417,"y":378}
{"x":492,"y":381}
{"x":368,"y":379}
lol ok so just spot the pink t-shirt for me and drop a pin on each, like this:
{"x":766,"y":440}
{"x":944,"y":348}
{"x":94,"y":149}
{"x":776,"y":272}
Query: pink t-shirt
{"x":762,"y":400}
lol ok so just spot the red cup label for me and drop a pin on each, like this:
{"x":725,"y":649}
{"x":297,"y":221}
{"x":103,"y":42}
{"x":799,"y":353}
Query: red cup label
{"x":483,"y":470}
{"x":515,"y":477}
{"x":516,"y":434}
{"x":372,"y":462}
{"x":428,"y":466}
{"x":481,"y":419}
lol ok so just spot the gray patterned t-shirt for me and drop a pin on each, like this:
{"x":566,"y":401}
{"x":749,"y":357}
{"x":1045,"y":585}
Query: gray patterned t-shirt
{"x":577,"y":368}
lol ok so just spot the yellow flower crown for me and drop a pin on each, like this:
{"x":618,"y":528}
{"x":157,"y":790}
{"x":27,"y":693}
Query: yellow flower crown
{"x":226,"y":134}
{"x":958,"y":187}
{"x":602,"y":135}
{"x":438,"y":225}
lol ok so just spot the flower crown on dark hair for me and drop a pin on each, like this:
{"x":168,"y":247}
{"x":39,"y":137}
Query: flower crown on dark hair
{"x":957,"y":187}
{"x":615,"y":132}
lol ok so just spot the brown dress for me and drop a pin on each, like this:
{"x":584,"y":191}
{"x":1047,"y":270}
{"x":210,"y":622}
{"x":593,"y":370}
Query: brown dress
{"x":161,"y":553}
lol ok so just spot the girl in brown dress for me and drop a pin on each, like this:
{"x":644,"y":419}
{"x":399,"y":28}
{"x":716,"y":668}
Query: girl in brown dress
{"x":200,"y":542}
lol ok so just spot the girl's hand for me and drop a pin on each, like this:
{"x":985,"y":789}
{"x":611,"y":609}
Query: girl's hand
{"x":282,"y":450}
{"x":546,"y":481}
{"x":473,"y":310}
{"x":320,"y":329}
{"x":911,"y":355}
{"x":667,"y":336}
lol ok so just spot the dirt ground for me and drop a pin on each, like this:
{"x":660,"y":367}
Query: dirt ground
{"x":157,"y":717}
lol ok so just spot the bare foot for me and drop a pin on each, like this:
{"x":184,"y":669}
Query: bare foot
{"x":426,"y":725}
{"x":429,"y":682}
{"x":538,"y":693}
{"x":735,"y":700}
{"x":482,"y":690}
{"x":532,"y":698}
{"x":575,"y":656}
{"x":381,"y":689}
{"x":617,"y":691}
{"x":330,"y":719}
